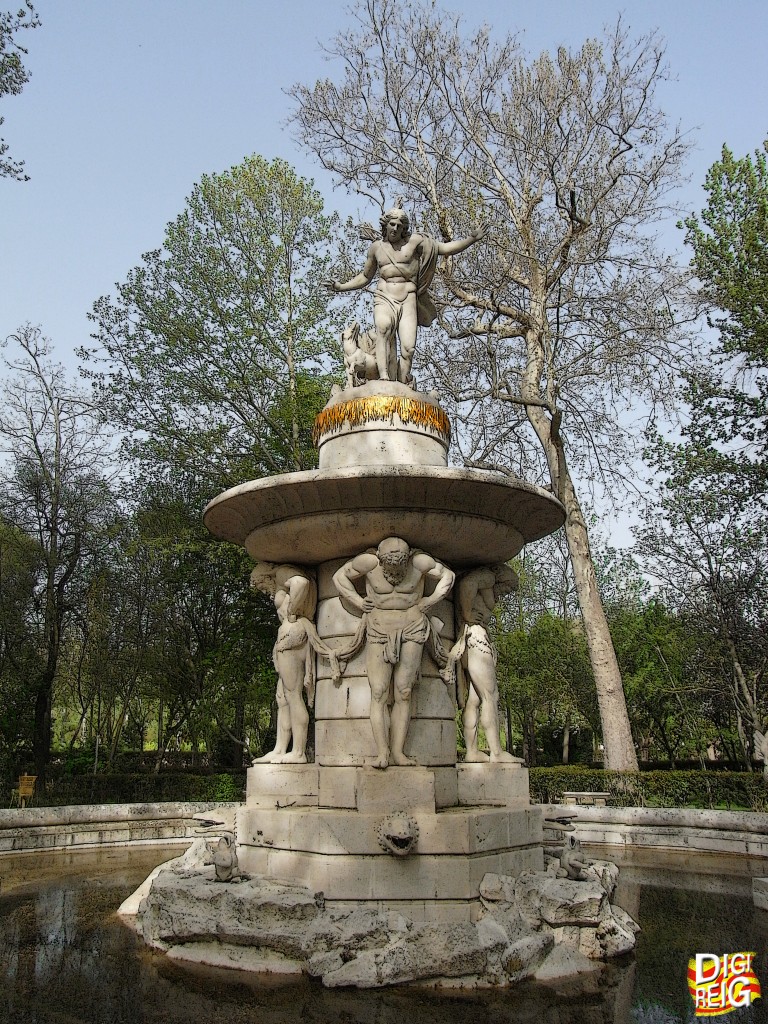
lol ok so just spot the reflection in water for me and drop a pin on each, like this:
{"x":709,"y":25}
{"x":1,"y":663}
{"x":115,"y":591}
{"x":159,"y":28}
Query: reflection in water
{"x":56,"y":919}
{"x":66,"y":959}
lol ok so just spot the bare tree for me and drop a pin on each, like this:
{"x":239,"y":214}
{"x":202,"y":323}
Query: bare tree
{"x":54,"y":493}
{"x":566,"y":316}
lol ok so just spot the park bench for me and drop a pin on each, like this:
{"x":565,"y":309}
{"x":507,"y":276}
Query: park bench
{"x":586,"y":799}
{"x":24,"y":792}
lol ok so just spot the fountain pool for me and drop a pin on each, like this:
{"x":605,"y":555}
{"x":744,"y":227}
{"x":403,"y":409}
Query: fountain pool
{"x":66,"y":958}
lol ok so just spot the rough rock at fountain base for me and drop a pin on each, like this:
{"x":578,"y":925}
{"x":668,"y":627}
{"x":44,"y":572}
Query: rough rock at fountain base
{"x":275,"y":926}
{"x":578,"y":914}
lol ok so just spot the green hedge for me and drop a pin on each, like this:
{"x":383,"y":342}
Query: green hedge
{"x":628,"y":789}
{"x":142,"y":788}
{"x":725,"y":790}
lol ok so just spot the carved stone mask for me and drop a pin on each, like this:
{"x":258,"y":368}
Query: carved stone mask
{"x":398,"y":834}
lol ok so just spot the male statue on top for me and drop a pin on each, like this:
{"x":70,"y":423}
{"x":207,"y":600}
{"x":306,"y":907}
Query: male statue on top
{"x":401,"y":303}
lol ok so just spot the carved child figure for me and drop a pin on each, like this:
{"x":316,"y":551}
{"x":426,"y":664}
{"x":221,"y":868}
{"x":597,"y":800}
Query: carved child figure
{"x":474,"y":656}
{"x":295,"y":595}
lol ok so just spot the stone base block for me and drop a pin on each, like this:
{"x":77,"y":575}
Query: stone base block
{"x":419,"y":877}
{"x":330,"y":833}
{"x":282,"y":785}
{"x":502,"y":784}
{"x":338,"y":852}
{"x":366,"y":789}
{"x":399,"y":788}
{"x":338,"y":787}
{"x":446,"y":787}
{"x":350,"y":742}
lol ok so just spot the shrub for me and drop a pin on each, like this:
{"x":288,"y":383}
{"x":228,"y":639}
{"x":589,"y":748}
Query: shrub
{"x":654,"y":788}
{"x":143,"y":788}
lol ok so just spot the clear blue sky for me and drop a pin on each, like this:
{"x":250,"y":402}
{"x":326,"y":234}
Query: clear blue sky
{"x":131,"y":102}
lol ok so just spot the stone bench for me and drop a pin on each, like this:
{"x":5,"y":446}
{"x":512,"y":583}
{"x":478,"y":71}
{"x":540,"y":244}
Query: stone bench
{"x":586,"y":799}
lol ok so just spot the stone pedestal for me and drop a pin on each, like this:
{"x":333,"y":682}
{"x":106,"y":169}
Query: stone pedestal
{"x":382,"y":423}
{"x":321,"y":826}
{"x":414,"y":839}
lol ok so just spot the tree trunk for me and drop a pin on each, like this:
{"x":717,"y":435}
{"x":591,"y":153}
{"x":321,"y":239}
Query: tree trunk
{"x":617,"y":735}
{"x":508,"y":716}
{"x":160,"y":735}
{"x":44,"y":698}
{"x":529,"y":740}
{"x":238,"y":729}
{"x":42,"y":734}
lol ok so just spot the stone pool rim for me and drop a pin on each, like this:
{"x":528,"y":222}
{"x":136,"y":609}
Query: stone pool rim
{"x":82,"y":826}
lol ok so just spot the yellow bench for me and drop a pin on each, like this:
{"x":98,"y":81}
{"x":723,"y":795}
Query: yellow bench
{"x":24,"y":792}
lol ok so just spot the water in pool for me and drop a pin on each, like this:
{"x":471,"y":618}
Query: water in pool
{"x":65,"y":958}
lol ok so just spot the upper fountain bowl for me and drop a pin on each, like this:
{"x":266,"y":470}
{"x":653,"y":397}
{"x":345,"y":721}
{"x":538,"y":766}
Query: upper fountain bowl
{"x":463,"y":517}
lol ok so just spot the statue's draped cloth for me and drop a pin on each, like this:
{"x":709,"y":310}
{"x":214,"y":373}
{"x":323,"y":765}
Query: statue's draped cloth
{"x":426,"y":310}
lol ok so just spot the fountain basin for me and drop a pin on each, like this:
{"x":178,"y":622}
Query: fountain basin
{"x":464,"y":517}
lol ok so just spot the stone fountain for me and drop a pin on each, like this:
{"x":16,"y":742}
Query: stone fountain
{"x":385,"y":565}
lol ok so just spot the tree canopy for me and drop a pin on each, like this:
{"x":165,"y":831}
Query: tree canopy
{"x":729,"y":239}
{"x":13,"y":75}
{"x":706,"y":536}
{"x":215,"y":347}
{"x":55,"y":493}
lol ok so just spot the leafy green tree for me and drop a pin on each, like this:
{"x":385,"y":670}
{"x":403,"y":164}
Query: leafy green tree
{"x":656,"y":649}
{"x":710,"y":553}
{"x":13,"y":75}
{"x":113,"y":662}
{"x":213,"y":636}
{"x":168,"y":647}
{"x":563,"y":316}
{"x":730,"y":251}
{"x":728,"y":432}
{"x":213,"y":358}
{"x":707,"y":536}
{"x":56,"y":493}
{"x":545,"y":679}
{"x":210,"y":353}
{"x":20,"y":662}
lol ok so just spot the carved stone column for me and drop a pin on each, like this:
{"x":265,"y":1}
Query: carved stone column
{"x":342,"y":714}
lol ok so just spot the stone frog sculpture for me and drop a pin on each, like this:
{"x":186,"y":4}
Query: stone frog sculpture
{"x":223,"y":856}
{"x":573,"y":862}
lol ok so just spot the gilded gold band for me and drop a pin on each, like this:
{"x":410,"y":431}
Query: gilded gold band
{"x":358,"y":411}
